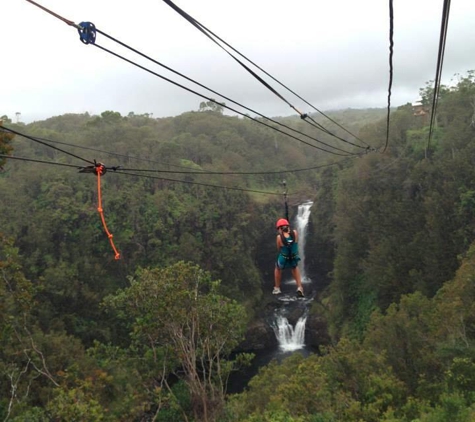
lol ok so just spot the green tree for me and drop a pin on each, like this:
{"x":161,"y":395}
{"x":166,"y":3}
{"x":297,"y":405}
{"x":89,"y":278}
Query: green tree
{"x":23,"y":364}
{"x":5,"y":140}
{"x":178,"y":309}
{"x":211,"y":106}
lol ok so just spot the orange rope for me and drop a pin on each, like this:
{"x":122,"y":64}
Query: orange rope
{"x":67,"y":21}
{"x":99,"y":171}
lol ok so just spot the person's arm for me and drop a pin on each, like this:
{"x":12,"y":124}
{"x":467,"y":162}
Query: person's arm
{"x":296,"y":235}
{"x":279,"y":242}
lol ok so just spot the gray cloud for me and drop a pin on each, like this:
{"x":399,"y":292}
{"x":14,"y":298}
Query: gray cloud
{"x":335,"y":55}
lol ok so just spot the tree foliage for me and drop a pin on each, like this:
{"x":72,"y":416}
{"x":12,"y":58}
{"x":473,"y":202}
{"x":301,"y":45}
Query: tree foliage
{"x":5,"y":141}
{"x":391,"y":247}
{"x":179,"y":310}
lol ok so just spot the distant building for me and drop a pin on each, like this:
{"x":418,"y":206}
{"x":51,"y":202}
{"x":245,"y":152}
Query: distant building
{"x":419,"y":109}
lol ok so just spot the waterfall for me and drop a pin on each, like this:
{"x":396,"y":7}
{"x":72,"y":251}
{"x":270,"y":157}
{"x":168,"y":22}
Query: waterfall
{"x":290,"y":338}
{"x":301,"y":224}
{"x":293,"y":338}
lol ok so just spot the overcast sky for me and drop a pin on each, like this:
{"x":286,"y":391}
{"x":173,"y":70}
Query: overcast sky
{"x":334,"y":53}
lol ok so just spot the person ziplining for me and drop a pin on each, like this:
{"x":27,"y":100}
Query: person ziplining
{"x":287,"y":246}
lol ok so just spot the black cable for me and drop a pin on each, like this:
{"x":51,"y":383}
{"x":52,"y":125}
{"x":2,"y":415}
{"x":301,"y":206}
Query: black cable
{"x":225,"y":97}
{"x":207,"y":32}
{"x":324,"y":129}
{"x":191,"y":171}
{"x":198,"y":183}
{"x":44,"y":143}
{"x":214,"y":101}
{"x":160,"y":178}
{"x":440,"y":62}
{"x":145,"y":176}
{"x":391,"y":45}
{"x":117,"y":154}
{"x":239,"y":172}
{"x":13,"y":157}
{"x":201,"y":28}
{"x":88,"y":36}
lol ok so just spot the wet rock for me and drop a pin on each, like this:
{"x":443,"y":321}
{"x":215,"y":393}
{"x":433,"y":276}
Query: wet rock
{"x":259,"y":336}
{"x":316,"y":331}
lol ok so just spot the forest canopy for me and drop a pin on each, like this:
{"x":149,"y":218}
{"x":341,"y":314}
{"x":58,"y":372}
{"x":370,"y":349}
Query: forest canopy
{"x":390,"y":245}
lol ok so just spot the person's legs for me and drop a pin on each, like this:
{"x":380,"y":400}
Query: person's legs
{"x":277,"y":278}
{"x":298,"y":280}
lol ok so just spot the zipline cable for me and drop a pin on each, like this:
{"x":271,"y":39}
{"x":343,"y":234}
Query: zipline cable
{"x":87,"y":32}
{"x":3,"y":128}
{"x":154,"y":177}
{"x":129,"y":157}
{"x":216,"y":102}
{"x":440,"y":63}
{"x":224,"y":173}
{"x":221,"y":95}
{"x":189,"y":171}
{"x":201,"y":28}
{"x":391,"y":48}
{"x":198,"y":183}
{"x":286,"y":205}
{"x":304,"y":116}
{"x":15,"y":157}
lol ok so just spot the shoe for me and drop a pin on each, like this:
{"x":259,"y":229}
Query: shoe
{"x":276,"y":291}
{"x":300,"y":292}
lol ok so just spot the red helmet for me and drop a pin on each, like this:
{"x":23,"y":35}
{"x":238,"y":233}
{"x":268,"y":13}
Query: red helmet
{"x":281,"y":222}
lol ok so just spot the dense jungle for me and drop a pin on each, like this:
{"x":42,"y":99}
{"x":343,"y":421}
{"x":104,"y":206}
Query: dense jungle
{"x":155,"y":335}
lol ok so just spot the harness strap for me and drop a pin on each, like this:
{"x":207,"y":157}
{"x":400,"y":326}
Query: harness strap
{"x":284,"y":183}
{"x":288,"y":245}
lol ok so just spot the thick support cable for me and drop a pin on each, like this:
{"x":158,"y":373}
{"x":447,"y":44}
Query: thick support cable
{"x":188,"y":170}
{"x":200,"y":27}
{"x":32,"y":138}
{"x":438,"y":73}
{"x":304,"y":116}
{"x":87,"y":32}
{"x":217,"y":102}
{"x":14,"y":157}
{"x":391,"y":47}
{"x":100,"y":170}
{"x":210,"y":34}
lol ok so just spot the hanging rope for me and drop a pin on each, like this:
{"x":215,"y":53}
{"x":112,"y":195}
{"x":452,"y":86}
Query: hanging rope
{"x":99,"y":169}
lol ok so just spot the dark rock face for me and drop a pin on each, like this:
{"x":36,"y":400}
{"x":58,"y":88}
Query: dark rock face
{"x":316,"y":332}
{"x":259,"y":336}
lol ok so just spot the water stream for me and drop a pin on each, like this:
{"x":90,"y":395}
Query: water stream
{"x":290,"y":337}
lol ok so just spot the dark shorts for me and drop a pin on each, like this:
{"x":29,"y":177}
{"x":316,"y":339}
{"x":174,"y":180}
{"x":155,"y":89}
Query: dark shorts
{"x":283,"y":263}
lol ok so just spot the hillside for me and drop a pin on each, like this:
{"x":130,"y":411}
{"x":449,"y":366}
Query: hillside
{"x":151,"y":336}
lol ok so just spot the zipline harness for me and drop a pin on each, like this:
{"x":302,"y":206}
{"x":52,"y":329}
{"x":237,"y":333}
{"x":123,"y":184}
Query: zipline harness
{"x":284,"y":183}
{"x":288,"y":242}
